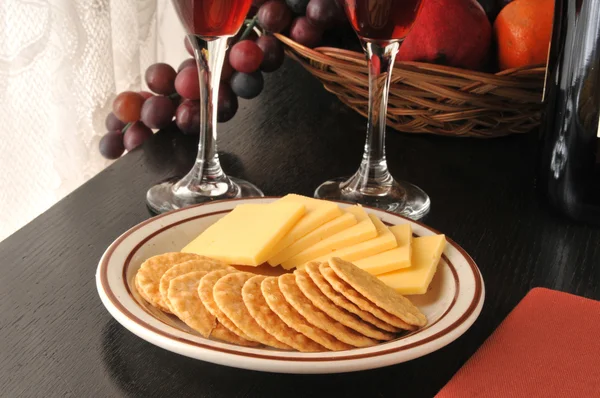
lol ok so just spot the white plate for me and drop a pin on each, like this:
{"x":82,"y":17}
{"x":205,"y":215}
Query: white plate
{"x":452,"y":304}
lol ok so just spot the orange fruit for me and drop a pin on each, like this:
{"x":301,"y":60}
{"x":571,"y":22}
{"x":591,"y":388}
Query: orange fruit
{"x":523,"y":30}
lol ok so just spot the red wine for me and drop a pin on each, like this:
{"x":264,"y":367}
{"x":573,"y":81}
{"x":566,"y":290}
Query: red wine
{"x":382,"y":19}
{"x":211,"y":18}
{"x":570,"y":151}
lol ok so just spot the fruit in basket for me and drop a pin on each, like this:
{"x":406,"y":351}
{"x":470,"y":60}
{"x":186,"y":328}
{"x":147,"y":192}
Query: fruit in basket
{"x":523,"y":30}
{"x":449,"y":32}
{"x":305,"y":33}
{"x":322,"y":13}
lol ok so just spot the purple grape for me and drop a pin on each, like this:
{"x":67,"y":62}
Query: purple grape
{"x":305,"y":33}
{"x":247,"y":85}
{"x":158,"y":112}
{"x":322,"y":13}
{"x":188,"y":62}
{"x":274,"y":16}
{"x":273,"y":53}
{"x":228,"y":103}
{"x":135,"y":135}
{"x":297,"y":6}
{"x":111,"y":145}
{"x":160,"y":78}
{"x":187,"y":117}
{"x":112,"y":123}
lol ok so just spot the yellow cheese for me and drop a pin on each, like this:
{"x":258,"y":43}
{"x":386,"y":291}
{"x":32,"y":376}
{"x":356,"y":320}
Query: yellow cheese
{"x":415,"y":279}
{"x":384,"y":240}
{"x":248,"y":234}
{"x":390,"y":260}
{"x":326,"y":230}
{"x":318,"y":212}
{"x":362,"y":231}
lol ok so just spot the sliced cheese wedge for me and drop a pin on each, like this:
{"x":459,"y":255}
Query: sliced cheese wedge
{"x":248,"y":234}
{"x":317,"y":213}
{"x":362,"y":231}
{"x":394,"y":259}
{"x":427,"y":251}
{"x":384,"y":240}
{"x":326,"y":230}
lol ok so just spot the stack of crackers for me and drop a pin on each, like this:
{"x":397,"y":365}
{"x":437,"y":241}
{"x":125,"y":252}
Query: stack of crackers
{"x":326,"y":306}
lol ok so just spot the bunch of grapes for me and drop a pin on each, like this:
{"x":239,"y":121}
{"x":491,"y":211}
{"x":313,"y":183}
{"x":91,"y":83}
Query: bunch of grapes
{"x":307,"y":20}
{"x":175,"y":93}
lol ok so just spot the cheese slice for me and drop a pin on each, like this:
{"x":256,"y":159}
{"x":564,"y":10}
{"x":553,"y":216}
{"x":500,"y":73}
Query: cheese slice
{"x":384,"y":241}
{"x":362,"y":231}
{"x":248,"y":234}
{"x":317,"y":213}
{"x":427,"y":251}
{"x":326,"y":230}
{"x":390,"y":260}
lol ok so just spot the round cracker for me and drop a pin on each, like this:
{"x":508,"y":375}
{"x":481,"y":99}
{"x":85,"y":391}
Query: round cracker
{"x":295,"y":297}
{"x":319,"y":300}
{"x":227,"y":294}
{"x":274,"y":298}
{"x":338,"y":299}
{"x":185,"y":303}
{"x":378,"y":292}
{"x":205,"y":292}
{"x":200,"y":264}
{"x":222,"y":333}
{"x":150,"y":272}
{"x":270,"y":321}
{"x":356,"y":298}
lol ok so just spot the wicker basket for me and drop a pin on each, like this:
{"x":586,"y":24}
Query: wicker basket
{"x":428,"y":98}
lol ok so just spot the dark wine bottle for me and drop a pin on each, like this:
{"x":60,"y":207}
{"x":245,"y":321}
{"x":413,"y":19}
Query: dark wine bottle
{"x":569,"y":168}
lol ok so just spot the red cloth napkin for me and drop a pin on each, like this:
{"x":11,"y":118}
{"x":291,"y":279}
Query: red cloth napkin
{"x":548,"y":346}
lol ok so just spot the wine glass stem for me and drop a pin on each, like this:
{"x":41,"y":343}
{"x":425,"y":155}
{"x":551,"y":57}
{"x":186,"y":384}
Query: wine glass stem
{"x":207,"y":177}
{"x":373,"y":177}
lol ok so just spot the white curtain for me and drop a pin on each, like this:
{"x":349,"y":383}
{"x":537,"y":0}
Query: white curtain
{"x":61,"y":64}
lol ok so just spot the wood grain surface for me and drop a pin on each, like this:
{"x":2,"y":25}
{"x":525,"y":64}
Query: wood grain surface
{"x":57,"y":340}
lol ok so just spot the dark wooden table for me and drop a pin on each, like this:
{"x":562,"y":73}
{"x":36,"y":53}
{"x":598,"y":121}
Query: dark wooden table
{"x":56,"y":338}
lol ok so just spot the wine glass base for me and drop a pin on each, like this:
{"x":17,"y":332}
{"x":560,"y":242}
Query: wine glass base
{"x":401,"y":198}
{"x":161,"y":198}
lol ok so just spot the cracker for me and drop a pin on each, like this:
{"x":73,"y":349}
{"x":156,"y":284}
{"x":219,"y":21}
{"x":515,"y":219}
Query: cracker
{"x":319,"y":300}
{"x":205,"y":292}
{"x":338,"y":299}
{"x":378,"y":292}
{"x":185,"y":303}
{"x":295,"y":297}
{"x":227,"y":294}
{"x":358,"y":299}
{"x":222,"y":333}
{"x":292,"y":318}
{"x":200,"y":264}
{"x":270,"y":321}
{"x":150,"y":272}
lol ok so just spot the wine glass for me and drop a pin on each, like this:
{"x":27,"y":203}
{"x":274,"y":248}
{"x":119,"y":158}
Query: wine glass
{"x":381,"y":26}
{"x":209,"y":25}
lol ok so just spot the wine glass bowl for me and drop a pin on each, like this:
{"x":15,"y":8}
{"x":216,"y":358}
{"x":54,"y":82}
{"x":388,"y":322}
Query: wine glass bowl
{"x":381,"y":25}
{"x":209,"y":25}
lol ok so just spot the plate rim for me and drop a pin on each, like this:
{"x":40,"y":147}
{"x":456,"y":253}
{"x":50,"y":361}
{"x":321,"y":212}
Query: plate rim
{"x":444,"y":336}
